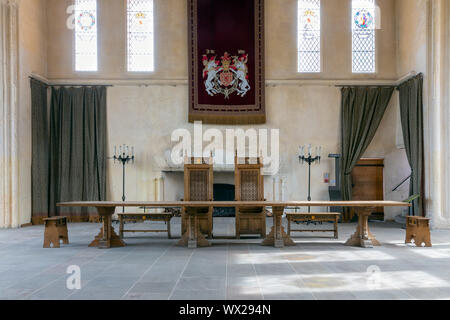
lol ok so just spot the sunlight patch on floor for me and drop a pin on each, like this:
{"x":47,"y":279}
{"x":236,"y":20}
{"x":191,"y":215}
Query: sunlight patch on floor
{"x":361,"y":281}
{"x":433,"y":253}
{"x":318,"y":256}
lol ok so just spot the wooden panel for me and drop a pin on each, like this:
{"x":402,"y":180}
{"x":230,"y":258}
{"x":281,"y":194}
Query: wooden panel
{"x":368,"y":181}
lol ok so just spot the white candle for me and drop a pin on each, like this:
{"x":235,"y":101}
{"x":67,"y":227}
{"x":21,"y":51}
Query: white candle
{"x":115,"y":151}
{"x":273,"y":187}
{"x":309,"y":150}
{"x":280,"y":190}
{"x":120,"y":150}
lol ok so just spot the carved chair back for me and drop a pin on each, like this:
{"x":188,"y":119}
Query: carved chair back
{"x":249,"y":181}
{"x":198,"y":179}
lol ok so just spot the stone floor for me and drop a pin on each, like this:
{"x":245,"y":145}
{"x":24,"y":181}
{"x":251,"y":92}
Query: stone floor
{"x":153,"y":267}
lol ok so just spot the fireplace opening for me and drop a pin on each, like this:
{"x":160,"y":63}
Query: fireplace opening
{"x":223,"y":192}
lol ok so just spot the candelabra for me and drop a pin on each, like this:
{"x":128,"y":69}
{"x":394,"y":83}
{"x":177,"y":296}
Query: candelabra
{"x":124,"y":157}
{"x":309,"y":159}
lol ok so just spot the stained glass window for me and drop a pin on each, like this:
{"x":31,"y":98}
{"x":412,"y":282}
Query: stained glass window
{"x":309,"y":36}
{"x":140,"y":35}
{"x":363,"y":38}
{"x":86,"y":35}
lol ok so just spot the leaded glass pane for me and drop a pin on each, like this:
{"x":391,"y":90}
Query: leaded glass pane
{"x":309,"y":36}
{"x":363,"y":38}
{"x":140,"y":35}
{"x":86,"y":35}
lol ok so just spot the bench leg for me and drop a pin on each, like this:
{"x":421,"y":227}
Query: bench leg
{"x":409,"y":235}
{"x":121,"y":227}
{"x":336,"y":235}
{"x":63,"y":234}
{"x":47,"y":243}
{"x":263,"y":225}
{"x":427,"y":240}
{"x":289,"y":226}
{"x":238,"y":227}
{"x":168,"y":229}
{"x":210,"y":223}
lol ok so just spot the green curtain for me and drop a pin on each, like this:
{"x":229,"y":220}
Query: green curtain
{"x":78,"y":149}
{"x":411,"y":113}
{"x":40,"y":151}
{"x":362,"y":110}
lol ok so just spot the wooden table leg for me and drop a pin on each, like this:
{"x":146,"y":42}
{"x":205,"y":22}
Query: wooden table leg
{"x":277,"y":236}
{"x":107,"y":238}
{"x":193,"y":237}
{"x":363,"y":237}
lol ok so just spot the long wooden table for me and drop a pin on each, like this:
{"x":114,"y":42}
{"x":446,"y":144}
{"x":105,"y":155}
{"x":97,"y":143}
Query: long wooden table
{"x":278,"y":238}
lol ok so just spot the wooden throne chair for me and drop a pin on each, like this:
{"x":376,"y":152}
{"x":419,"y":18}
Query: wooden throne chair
{"x":249,"y":186}
{"x":198,"y":186}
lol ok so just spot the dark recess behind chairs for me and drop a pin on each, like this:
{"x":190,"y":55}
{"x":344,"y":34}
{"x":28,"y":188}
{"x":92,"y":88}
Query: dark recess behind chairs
{"x":223,"y":192}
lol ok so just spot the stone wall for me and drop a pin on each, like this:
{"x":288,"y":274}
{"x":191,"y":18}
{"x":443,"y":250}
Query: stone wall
{"x":304,"y":107}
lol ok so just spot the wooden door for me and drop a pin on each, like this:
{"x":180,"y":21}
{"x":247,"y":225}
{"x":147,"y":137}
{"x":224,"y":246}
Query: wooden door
{"x":368,"y":183}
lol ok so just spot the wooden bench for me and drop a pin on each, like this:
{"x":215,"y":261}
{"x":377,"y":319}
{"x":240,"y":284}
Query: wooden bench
{"x":128,"y":217}
{"x":315,"y":217}
{"x":55,"y":231}
{"x":418,"y":228}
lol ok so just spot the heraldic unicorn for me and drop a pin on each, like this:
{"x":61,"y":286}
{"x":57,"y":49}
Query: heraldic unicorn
{"x":227,"y":75}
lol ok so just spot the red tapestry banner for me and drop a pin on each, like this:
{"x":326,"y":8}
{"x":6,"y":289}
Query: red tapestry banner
{"x":226,"y":61}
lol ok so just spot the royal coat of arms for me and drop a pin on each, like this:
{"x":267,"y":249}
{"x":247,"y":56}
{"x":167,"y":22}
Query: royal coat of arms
{"x":226,"y":75}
